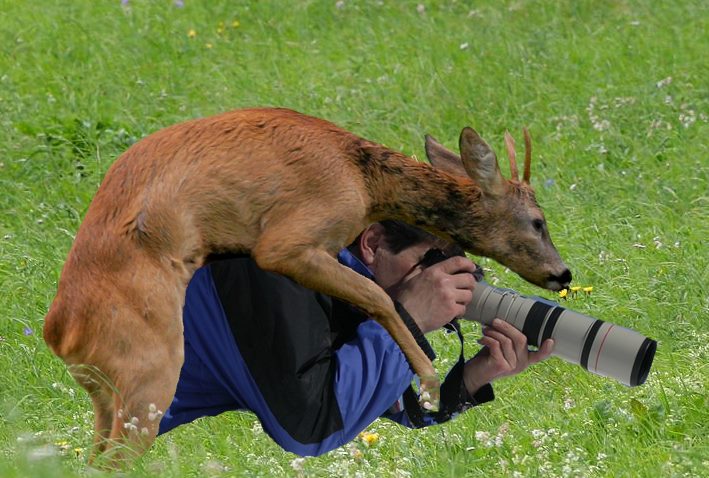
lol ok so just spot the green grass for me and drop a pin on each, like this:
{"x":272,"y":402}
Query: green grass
{"x":615,"y":94}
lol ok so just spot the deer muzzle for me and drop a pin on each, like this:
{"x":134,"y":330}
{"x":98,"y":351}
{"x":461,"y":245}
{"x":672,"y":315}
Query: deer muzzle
{"x":559,"y":281}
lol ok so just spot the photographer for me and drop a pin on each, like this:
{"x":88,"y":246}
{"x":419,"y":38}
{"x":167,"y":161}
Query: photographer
{"x":315,"y":371}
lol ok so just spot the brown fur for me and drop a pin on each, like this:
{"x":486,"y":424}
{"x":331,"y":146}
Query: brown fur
{"x":289,"y":189}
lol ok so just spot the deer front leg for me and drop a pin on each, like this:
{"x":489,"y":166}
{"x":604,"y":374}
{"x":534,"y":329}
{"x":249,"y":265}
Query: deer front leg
{"x":319,"y":271}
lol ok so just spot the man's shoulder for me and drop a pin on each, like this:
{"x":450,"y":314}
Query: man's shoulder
{"x":240,"y":275}
{"x":231,"y":268}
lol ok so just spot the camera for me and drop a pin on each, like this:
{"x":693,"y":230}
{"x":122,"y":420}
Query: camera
{"x":600,"y":347}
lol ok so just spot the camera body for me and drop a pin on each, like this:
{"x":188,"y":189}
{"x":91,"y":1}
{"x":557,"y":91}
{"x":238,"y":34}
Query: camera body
{"x":600,"y":347}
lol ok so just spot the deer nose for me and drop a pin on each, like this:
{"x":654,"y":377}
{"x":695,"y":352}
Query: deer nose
{"x":564,"y":278}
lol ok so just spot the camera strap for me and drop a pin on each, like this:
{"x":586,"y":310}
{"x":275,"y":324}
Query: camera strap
{"x":454,"y":397}
{"x":452,"y":391}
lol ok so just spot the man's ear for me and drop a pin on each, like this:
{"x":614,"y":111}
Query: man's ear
{"x":480,"y":162}
{"x":369,"y":241}
{"x":442,"y":158}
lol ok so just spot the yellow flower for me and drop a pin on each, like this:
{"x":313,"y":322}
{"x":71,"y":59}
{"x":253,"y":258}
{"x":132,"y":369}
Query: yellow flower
{"x":563,"y":293}
{"x":78,"y":451}
{"x":588,"y":290}
{"x":220,"y":28}
{"x":209,"y":45}
{"x":369,"y":438}
{"x":235,"y":24}
{"x":575,"y":289}
{"x":192,"y":33}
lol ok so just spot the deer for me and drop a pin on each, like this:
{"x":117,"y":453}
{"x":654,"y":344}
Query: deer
{"x":288,"y":189}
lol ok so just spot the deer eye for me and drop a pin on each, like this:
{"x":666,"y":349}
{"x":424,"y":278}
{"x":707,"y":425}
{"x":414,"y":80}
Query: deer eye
{"x":538,"y":225}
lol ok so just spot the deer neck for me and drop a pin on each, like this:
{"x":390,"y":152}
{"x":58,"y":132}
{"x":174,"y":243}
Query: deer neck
{"x":404,"y":189}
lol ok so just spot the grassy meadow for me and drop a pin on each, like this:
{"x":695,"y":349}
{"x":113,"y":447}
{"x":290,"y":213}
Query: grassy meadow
{"x":615,"y":94}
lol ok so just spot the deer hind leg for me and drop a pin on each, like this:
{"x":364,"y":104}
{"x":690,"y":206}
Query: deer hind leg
{"x":148,"y":369}
{"x":138,"y":412}
{"x":99,"y":389}
{"x":317,"y":270}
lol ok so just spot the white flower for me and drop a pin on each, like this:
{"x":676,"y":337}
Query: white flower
{"x":297,"y":464}
{"x":688,"y":118}
{"x":601,"y":125}
{"x":482,"y":436}
{"x":664,"y":82}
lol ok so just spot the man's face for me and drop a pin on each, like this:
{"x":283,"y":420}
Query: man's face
{"x":389,"y":269}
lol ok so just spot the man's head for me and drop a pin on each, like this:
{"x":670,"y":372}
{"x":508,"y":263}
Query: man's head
{"x":391,"y":249}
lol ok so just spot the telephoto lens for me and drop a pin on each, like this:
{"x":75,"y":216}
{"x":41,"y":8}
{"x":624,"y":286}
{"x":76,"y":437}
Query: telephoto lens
{"x":600,"y":347}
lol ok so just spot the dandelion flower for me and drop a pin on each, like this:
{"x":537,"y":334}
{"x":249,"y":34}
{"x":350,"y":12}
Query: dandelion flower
{"x":575,"y":289}
{"x":235,"y":24}
{"x":209,"y":45}
{"x":369,"y":438}
{"x":192,"y":33}
{"x":588,"y":290}
{"x":563,"y":293}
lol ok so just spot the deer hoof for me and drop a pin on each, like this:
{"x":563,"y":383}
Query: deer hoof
{"x":430,"y":393}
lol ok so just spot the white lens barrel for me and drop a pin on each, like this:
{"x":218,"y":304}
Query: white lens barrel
{"x":600,"y":347}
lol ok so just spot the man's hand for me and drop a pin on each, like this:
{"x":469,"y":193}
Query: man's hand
{"x":437,"y":294}
{"x":505,"y":353}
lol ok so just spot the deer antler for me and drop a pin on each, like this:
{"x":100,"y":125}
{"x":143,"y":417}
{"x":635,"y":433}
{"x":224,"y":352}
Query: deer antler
{"x":510,"y":145}
{"x":527,"y":156}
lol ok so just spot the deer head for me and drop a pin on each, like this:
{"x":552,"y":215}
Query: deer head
{"x":514,"y":231}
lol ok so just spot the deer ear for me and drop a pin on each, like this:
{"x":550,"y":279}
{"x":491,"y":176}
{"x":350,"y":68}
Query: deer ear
{"x":480,"y":161}
{"x":444,"y":159}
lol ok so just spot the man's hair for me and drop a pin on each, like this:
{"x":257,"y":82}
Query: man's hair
{"x":400,"y":236}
